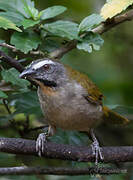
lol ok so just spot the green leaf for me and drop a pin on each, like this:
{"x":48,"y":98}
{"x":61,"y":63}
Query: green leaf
{"x":5,"y":118}
{"x":22,"y":7}
{"x":27,"y":103}
{"x":7,"y":24}
{"x":91,"y":41}
{"x":51,"y":12}
{"x":89,"y":22}
{"x":84,"y":46}
{"x":66,"y":29}
{"x":16,"y":6}
{"x":2,"y":94}
{"x":49,"y":45}
{"x":12,"y":75}
{"x":30,"y":9}
{"x":25,"y":41}
{"x":12,"y":16}
{"x":29,"y":23}
{"x":32,"y":12}
{"x":71,"y":137}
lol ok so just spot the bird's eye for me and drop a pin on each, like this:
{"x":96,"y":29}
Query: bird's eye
{"x":46,"y":67}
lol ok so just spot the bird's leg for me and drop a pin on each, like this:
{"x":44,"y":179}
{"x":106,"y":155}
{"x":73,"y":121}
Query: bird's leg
{"x":96,"y":148}
{"x":42,"y":139}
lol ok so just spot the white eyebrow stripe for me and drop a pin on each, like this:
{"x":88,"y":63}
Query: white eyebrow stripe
{"x":42,"y":63}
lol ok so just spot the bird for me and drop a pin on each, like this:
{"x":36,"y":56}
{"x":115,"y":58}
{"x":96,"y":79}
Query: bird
{"x":69,"y":100}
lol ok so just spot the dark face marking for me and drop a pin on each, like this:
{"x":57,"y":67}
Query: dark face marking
{"x":47,"y":83}
{"x":48,"y":72}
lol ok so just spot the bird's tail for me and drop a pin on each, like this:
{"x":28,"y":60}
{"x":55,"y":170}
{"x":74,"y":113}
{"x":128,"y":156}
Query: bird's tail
{"x":113,"y":117}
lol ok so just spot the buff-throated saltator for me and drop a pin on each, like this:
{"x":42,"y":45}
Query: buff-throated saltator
{"x":69,"y":100}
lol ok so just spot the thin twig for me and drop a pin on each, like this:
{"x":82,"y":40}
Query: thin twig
{"x":60,"y":171}
{"x":58,"y":53}
{"x":6,"y":106}
{"x":12,"y":121}
{"x":14,"y":49}
{"x":27,"y":123}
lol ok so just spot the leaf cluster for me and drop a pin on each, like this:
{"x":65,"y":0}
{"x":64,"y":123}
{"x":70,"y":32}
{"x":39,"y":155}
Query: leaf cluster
{"x":33,"y":29}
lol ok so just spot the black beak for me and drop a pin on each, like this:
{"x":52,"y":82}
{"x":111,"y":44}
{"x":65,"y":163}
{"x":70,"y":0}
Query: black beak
{"x":27,"y":73}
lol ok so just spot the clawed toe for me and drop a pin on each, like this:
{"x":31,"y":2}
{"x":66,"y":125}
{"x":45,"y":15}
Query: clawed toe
{"x":96,"y":148}
{"x":96,"y":151}
{"x":40,"y":143}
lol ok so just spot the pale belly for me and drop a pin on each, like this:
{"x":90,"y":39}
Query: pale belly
{"x":74,"y":120}
{"x":70,"y":113}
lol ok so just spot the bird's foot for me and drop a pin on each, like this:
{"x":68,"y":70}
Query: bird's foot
{"x":96,"y":149}
{"x":41,"y":140}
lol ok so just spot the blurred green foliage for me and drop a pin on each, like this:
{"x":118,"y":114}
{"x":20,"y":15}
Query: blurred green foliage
{"x":111,"y":69}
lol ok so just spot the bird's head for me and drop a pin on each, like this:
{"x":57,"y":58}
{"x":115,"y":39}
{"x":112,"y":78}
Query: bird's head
{"x":45,"y":71}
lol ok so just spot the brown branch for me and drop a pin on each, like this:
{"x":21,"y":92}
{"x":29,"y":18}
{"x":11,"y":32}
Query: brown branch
{"x":65,"y":152}
{"x":104,"y":27}
{"x":12,"y":62}
{"x":58,"y":53}
{"x":59,"y":171}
